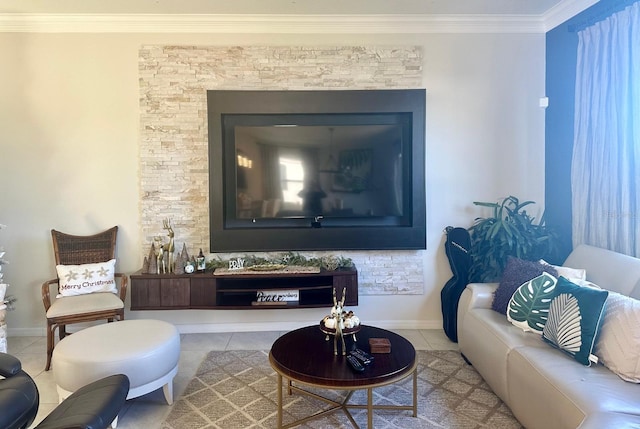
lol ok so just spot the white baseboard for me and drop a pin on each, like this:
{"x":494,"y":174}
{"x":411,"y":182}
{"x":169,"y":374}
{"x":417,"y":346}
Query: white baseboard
{"x":289,"y":326}
{"x":251,"y":327}
{"x":26,"y":332}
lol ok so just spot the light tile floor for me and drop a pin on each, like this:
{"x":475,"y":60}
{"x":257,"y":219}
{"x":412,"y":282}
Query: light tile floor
{"x":149,"y":411}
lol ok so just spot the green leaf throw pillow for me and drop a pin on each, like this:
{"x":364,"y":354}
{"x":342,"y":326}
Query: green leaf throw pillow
{"x":528,"y":308}
{"x":574,"y":318}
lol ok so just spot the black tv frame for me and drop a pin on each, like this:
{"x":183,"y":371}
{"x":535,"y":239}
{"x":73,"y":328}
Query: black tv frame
{"x":226,"y":236}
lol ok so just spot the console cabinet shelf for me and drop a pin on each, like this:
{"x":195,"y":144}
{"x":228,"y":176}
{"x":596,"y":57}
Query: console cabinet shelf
{"x":238,"y":291}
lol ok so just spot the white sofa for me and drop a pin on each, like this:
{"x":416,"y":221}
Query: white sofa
{"x":544,"y":387}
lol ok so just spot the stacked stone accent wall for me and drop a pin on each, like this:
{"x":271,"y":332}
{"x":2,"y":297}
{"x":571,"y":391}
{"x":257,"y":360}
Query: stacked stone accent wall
{"x":173,"y":132}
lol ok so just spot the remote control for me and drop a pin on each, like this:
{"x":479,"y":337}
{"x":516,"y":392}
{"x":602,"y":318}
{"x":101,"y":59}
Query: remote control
{"x":362,"y":356}
{"x":355,"y":364}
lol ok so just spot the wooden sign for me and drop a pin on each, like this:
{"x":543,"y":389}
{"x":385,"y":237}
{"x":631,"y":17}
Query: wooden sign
{"x":278,"y":295}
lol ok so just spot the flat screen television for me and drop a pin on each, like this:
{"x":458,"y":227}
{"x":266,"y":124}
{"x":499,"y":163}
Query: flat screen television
{"x":316,"y":170}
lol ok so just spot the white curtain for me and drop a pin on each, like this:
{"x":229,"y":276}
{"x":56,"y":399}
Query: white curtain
{"x":605,"y":174}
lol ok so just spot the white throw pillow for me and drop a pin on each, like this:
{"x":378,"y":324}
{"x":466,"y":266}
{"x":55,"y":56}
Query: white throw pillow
{"x":619,"y":343}
{"x":571,"y":274}
{"x":86,"y":278}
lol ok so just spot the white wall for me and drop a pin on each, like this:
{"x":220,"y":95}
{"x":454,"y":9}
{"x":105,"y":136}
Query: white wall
{"x":69,"y":131}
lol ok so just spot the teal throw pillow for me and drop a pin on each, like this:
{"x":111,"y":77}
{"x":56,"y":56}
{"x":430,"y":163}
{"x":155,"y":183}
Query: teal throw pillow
{"x":574,"y":318}
{"x":528,"y":308}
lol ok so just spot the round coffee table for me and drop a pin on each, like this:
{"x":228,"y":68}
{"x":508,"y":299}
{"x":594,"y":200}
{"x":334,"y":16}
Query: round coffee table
{"x":304,"y":357}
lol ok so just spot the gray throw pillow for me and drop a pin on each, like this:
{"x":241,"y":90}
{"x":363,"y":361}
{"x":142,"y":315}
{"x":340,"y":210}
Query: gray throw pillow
{"x":515,"y":274}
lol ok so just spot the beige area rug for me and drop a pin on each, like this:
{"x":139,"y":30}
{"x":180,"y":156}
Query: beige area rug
{"x":237,"y":389}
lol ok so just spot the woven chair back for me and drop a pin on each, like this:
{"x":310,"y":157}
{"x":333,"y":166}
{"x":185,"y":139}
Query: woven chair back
{"x":79,"y":249}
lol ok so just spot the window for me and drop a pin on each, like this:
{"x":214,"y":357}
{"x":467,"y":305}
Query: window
{"x":292,"y":178}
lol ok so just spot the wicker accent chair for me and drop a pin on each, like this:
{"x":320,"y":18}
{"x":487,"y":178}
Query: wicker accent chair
{"x":63,"y":311}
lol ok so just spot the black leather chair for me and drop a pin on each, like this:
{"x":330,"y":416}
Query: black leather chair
{"x":94,"y":406}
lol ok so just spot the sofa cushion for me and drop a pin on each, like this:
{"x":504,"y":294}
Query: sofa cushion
{"x":611,"y":420}
{"x":574,"y":318}
{"x":618,"y":346}
{"x":515,"y":274}
{"x":87,"y":303}
{"x":543,"y":386}
{"x":572,"y":274}
{"x":529,"y":306}
{"x":548,"y":389}
{"x":611,"y":270}
{"x":486,"y":338}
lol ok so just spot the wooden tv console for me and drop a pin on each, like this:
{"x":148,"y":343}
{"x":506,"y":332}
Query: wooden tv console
{"x":238,"y":291}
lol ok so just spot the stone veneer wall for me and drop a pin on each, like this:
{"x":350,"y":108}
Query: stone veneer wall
{"x":173,"y":130}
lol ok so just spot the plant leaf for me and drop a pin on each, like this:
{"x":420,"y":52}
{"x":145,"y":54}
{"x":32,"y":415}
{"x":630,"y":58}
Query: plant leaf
{"x":529,"y":305}
{"x":510,"y":232}
{"x":563,"y":326}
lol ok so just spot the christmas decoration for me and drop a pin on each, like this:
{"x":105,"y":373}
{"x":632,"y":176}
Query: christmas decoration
{"x":6,"y":301}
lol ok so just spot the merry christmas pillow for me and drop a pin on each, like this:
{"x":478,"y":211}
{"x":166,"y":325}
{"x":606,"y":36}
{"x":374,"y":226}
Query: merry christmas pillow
{"x":86,"y":278}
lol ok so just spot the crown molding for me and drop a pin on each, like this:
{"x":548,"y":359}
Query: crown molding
{"x":563,"y":11}
{"x":282,"y":24}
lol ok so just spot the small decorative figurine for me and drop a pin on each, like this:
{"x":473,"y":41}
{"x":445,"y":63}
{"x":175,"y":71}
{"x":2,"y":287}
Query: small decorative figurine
{"x":159,"y":251}
{"x":165,"y":251}
{"x":201,"y":262}
{"x":151,"y":266}
{"x":340,"y":323}
{"x":169,"y":248}
{"x":184,"y":254}
{"x":153,"y":262}
{"x":178,"y":264}
{"x":336,"y":311}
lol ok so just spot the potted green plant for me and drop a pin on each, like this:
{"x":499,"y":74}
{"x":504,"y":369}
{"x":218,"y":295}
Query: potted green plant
{"x":509,"y":232}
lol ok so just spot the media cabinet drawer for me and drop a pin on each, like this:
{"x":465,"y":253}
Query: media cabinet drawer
{"x":157,"y":293}
{"x":206,"y":291}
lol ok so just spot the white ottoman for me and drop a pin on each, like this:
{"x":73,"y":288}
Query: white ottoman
{"x":147,"y":351}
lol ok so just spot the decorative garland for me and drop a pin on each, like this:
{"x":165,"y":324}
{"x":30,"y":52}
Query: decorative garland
{"x":328,"y":262}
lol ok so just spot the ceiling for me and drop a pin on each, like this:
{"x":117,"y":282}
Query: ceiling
{"x":386,"y":7}
{"x":287,"y":16}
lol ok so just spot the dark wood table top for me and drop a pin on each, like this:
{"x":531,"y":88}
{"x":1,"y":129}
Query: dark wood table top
{"x":305,"y":356}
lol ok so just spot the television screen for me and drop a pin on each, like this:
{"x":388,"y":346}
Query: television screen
{"x":316,"y":170}
{"x":328,"y":167}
